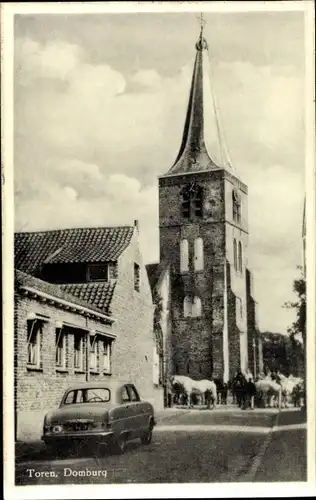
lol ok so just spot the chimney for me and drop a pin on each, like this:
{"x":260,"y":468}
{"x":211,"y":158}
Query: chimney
{"x":136,"y":224}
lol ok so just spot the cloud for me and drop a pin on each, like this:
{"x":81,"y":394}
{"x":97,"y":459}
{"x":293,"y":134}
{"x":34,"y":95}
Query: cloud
{"x":90,"y":142}
{"x":56,"y":60}
{"x":147,"y":78}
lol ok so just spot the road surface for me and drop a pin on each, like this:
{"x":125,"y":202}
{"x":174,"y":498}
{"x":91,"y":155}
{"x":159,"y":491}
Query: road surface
{"x":191,"y":446}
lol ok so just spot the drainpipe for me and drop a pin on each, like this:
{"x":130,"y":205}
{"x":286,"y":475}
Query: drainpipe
{"x":87,"y":353}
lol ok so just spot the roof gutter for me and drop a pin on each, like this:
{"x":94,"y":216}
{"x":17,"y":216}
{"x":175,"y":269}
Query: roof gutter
{"x":69,"y":304}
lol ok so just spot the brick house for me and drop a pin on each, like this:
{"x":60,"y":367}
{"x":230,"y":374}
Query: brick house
{"x":83,"y":308}
{"x":203,"y":225}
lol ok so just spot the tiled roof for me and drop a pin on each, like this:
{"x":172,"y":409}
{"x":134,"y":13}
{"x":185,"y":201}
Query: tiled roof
{"x":32,"y":249}
{"x":22,"y":279}
{"x":98,"y":294}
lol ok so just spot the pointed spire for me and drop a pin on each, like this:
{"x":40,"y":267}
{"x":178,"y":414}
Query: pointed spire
{"x":203,"y":146}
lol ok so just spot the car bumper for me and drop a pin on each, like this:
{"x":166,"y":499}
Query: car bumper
{"x":76,"y":436}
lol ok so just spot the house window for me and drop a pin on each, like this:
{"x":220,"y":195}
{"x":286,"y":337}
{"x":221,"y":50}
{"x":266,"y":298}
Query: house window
{"x":198,"y":254}
{"x":34,"y":333}
{"x":235,"y":255}
{"x":192,"y":201}
{"x":106,"y":355}
{"x":136,"y":277}
{"x":184,"y":256}
{"x":93,"y":361}
{"x":98,"y":272}
{"x":78,"y":352}
{"x":197,"y":307}
{"x":236,"y":207}
{"x":61,"y":341}
{"x":240,"y":257}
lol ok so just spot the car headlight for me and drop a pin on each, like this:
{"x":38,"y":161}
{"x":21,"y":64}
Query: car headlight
{"x":57,"y":428}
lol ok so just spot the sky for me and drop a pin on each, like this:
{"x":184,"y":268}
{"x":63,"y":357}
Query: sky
{"x":99,"y":108}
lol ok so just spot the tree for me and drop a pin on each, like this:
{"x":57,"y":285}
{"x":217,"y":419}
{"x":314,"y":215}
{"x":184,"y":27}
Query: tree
{"x":158,"y":309}
{"x":298,"y":327}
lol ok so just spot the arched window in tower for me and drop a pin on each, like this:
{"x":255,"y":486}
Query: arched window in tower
{"x":235,"y":255}
{"x":236,"y":207}
{"x":198,"y":254}
{"x":187,"y":307}
{"x":197,"y":307}
{"x":240,"y":257}
{"x":186,"y":203}
{"x":184,"y":256}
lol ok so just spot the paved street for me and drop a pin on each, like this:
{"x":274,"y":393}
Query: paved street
{"x":190,"y":446}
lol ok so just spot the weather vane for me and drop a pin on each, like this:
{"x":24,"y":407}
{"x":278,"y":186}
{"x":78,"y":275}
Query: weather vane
{"x":202,"y":21}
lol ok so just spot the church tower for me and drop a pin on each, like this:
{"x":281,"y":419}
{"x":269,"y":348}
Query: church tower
{"x":204,"y":236}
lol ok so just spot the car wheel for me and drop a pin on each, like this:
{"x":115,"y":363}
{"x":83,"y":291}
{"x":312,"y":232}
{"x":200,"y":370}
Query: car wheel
{"x":147,"y":437}
{"x":119,"y":444}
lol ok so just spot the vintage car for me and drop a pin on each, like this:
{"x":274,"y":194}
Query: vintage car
{"x":98,"y":413}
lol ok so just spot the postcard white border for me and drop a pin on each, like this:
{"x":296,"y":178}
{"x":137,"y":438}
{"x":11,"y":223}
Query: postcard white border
{"x":196,"y":490}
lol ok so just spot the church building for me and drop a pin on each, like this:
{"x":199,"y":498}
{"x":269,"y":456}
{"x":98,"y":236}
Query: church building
{"x":203,"y":231}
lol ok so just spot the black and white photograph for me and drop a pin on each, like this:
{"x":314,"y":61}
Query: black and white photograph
{"x":159,"y":194}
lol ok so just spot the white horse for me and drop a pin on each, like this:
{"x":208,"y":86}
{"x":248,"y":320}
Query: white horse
{"x":269,"y":388}
{"x":287,"y":384}
{"x":186,"y":386}
{"x":208,"y":390}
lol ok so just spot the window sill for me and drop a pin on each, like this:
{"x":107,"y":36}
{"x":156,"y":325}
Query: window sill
{"x":34,"y":368}
{"x":93,"y":371}
{"x":61,"y":370}
{"x":79,"y":370}
{"x":105,"y":372}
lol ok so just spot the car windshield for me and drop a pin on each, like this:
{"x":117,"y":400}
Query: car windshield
{"x":90,"y":395}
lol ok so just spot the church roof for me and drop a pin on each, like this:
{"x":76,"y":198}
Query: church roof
{"x":85,"y":245}
{"x":203,"y":147}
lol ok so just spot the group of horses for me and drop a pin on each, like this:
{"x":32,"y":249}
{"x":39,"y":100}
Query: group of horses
{"x":272,"y":390}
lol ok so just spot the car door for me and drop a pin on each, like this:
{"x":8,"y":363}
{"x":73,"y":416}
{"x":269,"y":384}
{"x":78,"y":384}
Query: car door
{"x":139,"y":417}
